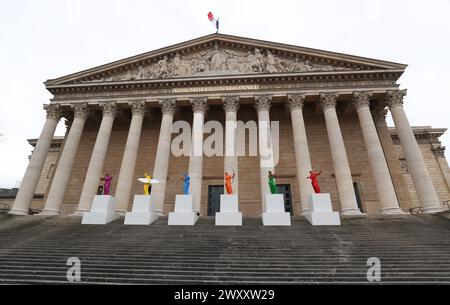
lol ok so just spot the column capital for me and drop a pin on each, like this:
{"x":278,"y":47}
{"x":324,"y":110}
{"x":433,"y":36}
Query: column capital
{"x":168,"y":106}
{"x":394,"y":98}
{"x":231,"y":103}
{"x":109,"y":109}
{"x":69,"y":120}
{"x":54,"y":111}
{"x":328,"y":100}
{"x":138,"y":108}
{"x":296,"y":101}
{"x":263,"y":102}
{"x":379,"y":115}
{"x":199,"y":104}
{"x":438,"y":150}
{"x":361,"y":99}
{"x":80,"y":110}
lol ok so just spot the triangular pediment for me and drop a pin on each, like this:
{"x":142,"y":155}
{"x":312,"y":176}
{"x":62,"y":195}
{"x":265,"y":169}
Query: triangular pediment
{"x":223,"y":55}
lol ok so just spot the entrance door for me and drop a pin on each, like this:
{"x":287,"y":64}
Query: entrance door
{"x":358,"y":196}
{"x":285,"y":189}
{"x":214,"y":192}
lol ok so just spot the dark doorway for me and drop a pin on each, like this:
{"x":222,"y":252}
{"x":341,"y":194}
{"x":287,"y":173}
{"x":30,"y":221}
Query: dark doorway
{"x":358,"y":196}
{"x":285,"y":189}
{"x":214,"y":192}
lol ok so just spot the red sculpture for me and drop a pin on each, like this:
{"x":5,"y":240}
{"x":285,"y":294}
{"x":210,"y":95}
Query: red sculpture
{"x":314,"y":182}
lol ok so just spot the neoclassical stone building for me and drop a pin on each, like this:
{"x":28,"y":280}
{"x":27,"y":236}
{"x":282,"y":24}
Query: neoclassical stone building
{"x":331,"y":110}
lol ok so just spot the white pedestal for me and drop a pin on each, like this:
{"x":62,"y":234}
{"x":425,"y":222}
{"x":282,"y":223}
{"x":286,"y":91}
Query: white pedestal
{"x":229,"y":214}
{"x":184,"y":214}
{"x":274,"y":215}
{"x":103,"y":211}
{"x":321,"y":212}
{"x":142,"y":213}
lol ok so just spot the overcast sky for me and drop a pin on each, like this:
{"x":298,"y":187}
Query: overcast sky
{"x":46,"y":39}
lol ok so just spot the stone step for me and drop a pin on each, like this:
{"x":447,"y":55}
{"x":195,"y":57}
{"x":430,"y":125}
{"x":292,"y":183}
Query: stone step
{"x":412,"y":250}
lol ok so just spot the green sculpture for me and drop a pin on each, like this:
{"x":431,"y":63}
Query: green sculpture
{"x":272,"y":184}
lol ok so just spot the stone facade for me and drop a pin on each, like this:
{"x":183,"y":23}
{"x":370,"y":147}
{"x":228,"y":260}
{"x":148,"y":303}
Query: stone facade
{"x":249,"y":197}
{"x":339,"y":99}
{"x":433,"y":154}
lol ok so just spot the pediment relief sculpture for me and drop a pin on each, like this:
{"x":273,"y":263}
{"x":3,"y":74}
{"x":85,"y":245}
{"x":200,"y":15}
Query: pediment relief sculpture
{"x":219,"y":62}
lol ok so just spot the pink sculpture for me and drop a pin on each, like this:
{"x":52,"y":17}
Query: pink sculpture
{"x":108,"y":179}
{"x":314,"y":182}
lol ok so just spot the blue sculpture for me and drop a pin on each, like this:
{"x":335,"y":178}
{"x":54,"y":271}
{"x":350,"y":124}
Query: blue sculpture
{"x":187,"y":181}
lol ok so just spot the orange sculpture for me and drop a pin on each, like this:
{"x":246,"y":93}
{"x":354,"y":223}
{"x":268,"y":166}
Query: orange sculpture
{"x":228,"y":181}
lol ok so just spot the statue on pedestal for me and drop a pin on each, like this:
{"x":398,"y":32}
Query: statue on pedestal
{"x":187,"y":181}
{"x":228,"y":181}
{"x":108,"y":180}
{"x":314,"y":182}
{"x":272,"y":183}
{"x":147,"y":184}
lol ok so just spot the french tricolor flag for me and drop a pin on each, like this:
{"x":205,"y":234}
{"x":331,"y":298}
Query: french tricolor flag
{"x":214,"y":21}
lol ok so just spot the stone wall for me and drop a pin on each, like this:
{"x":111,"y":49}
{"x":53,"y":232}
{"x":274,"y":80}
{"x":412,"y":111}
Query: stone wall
{"x":431,"y":161}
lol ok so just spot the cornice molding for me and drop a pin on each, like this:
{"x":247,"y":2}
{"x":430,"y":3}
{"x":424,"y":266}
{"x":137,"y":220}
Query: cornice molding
{"x":219,"y":80}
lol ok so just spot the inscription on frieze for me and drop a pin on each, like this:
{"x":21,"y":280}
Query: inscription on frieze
{"x":215,"y":88}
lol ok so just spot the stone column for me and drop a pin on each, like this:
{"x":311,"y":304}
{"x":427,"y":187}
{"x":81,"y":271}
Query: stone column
{"x":419,"y":173}
{"x":439,"y":152}
{"x":266,"y":162}
{"x":63,"y":172}
{"x":403,"y":195}
{"x":127,"y":168}
{"x":199,"y":107}
{"x":302,"y":158}
{"x":342,"y":172}
{"x":24,"y":197}
{"x":95,"y":168}
{"x":383,"y":181}
{"x":231,"y":106}
{"x":161,"y":167}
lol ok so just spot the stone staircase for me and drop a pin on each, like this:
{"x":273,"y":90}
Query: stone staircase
{"x":412,"y":249}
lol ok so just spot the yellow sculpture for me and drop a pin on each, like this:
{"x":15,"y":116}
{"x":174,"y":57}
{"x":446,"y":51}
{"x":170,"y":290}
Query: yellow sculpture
{"x":147,"y":184}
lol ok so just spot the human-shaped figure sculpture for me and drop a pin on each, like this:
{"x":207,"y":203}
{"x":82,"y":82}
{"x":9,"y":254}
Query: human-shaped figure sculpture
{"x":187,"y":181}
{"x":147,"y":185}
{"x":163,"y":68}
{"x":108,"y":179}
{"x":314,"y":182}
{"x":270,"y":63}
{"x":272,"y":184}
{"x":228,"y":181}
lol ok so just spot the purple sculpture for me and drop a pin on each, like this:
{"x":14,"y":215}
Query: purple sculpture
{"x":108,"y":179}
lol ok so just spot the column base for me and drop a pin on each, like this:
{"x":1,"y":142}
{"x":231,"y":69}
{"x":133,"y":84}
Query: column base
{"x":18,"y":212}
{"x":121,"y":213}
{"x":78,"y":213}
{"x":352,"y":212}
{"x":48,"y":213}
{"x":392,"y":211}
{"x":304,"y":212}
{"x":433,"y":210}
{"x":159,"y":213}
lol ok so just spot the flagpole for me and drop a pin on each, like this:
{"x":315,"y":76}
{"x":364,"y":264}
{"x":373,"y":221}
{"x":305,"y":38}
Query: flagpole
{"x":217,"y":30}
